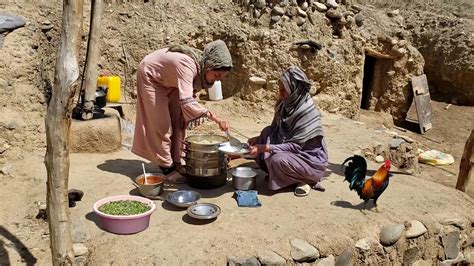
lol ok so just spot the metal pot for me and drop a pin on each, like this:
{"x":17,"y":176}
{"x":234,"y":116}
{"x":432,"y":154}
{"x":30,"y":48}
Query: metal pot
{"x":204,"y":142}
{"x":150,"y":190}
{"x":244,"y":178}
{"x":201,"y":155}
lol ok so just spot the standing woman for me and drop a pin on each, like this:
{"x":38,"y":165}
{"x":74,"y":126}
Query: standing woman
{"x":166,"y":106}
{"x":292,"y":149}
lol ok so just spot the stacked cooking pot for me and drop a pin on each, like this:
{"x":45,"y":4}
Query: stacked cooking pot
{"x":206,"y":166}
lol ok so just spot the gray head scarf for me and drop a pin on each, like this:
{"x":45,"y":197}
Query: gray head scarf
{"x":215,"y":55}
{"x":296,"y":119}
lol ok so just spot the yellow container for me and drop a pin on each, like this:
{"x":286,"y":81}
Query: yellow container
{"x":113,"y":92}
{"x":112,"y":83}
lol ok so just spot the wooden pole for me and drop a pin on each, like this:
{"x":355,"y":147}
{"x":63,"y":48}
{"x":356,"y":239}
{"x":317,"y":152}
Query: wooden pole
{"x":92,"y":60}
{"x":58,"y":121}
{"x":465,"y":167}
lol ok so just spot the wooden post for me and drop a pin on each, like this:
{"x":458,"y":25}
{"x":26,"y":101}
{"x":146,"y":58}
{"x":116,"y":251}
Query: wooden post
{"x":465,"y":167}
{"x":92,"y":60}
{"x":58,"y":121}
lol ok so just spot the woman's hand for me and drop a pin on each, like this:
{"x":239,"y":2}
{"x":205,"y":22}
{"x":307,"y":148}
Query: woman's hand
{"x":259,"y":148}
{"x":252,"y":141}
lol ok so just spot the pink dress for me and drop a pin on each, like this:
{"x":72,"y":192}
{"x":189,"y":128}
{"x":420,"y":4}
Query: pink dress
{"x":165,"y":104}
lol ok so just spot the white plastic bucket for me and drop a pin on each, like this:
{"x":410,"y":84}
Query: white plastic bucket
{"x":215,"y":92}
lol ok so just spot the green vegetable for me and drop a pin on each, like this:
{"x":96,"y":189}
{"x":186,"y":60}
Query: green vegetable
{"x":124,"y":207}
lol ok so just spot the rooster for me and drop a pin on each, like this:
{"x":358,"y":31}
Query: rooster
{"x":372,"y":188}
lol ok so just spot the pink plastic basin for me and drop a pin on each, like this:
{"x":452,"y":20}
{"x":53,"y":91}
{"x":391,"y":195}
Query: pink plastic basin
{"x":120,"y":224}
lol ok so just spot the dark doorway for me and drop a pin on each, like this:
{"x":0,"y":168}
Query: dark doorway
{"x":367,"y":82}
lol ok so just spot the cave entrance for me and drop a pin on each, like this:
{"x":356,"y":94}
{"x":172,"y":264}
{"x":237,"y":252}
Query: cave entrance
{"x":375,"y":81}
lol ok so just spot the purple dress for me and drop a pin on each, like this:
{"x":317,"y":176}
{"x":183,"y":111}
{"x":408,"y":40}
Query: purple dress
{"x":291,"y":163}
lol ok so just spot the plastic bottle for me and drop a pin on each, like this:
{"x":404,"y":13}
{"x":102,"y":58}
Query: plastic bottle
{"x":113,"y":91}
{"x":215,"y":92}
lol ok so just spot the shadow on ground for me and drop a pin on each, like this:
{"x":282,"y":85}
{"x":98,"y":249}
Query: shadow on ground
{"x":15,"y":243}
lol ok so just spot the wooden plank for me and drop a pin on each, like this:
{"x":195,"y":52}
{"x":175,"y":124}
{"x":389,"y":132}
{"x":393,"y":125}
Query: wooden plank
{"x":465,"y":167}
{"x":422,"y":102}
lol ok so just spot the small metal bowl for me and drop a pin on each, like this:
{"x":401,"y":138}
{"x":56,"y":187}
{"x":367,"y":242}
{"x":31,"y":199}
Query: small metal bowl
{"x":204,"y":211}
{"x":183,"y":198}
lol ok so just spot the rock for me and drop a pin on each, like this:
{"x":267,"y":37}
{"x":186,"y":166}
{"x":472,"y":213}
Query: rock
{"x":258,"y":81}
{"x":80,"y":234}
{"x":278,"y":10}
{"x":415,"y":229}
{"x":450,"y":244}
{"x":331,"y":4}
{"x":302,"y":251}
{"x":293,"y":2}
{"x":81,"y":261}
{"x":328,"y":261}
{"x":79,"y":249}
{"x":334,"y":14}
{"x":422,"y":263}
{"x":301,"y":13}
{"x":234,"y":261}
{"x":256,"y":13}
{"x":283,"y":3}
{"x":379,"y":159}
{"x":12,"y":125}
{"x":448,"y":262}
{"x":275,"y":19}
{"x":285,"y":18}
{"x":390,"y":234}
{"x":393,"y":13}
{"x":365,"y":244}
{"x":304,"y":5}
{"x":260,"y":4}
{"x":359,"y":19}
{"x":356,"y":8}
{"x":454,"y":222}
{"x":395,"y":143}
{"x":268,"y":257}
{"x":345,"y":259}
{"x":246,"y":2}
{"x":300,"y":21}
{"x":320,"y":7}
{"x":5,"y":170}
{"x":350,"y":21}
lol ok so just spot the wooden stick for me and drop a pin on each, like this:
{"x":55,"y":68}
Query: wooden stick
{"x":58,"y":121}
{"x":465,"y":167}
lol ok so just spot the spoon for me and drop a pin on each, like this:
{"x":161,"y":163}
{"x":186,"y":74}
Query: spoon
{"x":144,"y":173}
{"x":235,"y":144}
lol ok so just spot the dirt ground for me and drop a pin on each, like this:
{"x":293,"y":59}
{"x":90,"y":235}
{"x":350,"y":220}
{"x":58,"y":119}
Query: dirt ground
{"x":173,"y":238}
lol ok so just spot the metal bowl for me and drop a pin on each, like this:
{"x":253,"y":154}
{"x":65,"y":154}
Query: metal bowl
{"x":244,"y":178}
{"x":183,"y":198}
{"x":204,"y":211}
{"x":153,"y":189}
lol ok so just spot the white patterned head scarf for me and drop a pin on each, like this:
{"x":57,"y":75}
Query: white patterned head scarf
{"x":215,"y":55}
{"x":296,"y":119}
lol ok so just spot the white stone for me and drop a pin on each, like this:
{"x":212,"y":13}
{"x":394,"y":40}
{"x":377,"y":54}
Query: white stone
{"x":268,"y":257}
{"x":332,"y":3}
{"x":422,"y":263}
{"x":321,"y":7}
{"x":302,"y":251}
{"x":415,"y":229}
{"x":302,"y":13}
{"x":379,"y":159}
{"x":390,"y":234}
{"x":365,"y":243}
{"x":258,"y":81}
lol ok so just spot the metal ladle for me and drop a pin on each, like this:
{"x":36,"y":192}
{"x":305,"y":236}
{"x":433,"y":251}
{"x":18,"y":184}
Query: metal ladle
{"x":234,"y":142}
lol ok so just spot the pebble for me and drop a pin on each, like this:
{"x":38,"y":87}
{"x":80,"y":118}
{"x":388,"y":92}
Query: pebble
{"x":359,"y":19}
{"x":300,"y":21}
{"x":331,"y":3}
{"x":12,"y":125}
{"x":450,"y":244}
{"x":285,"y":18}
{"x":469,"y":255}
{"x":80,"y":234}
{"x":275,"y":19}
{"x":390,"y":234}
{"x":345,"y":259}
{"x":415,"y":229}
{"x":334,"y":14}
{"x":395,"y":143}
{"x":252,"y":261}
{"x":350,"y":21}
{"x":291,"y":11}
{"x":454,"y":222}
{"x":79,"y":249}
{"x":304,"y":5}
{"x":260,"y":3}
{"x":258,"y":81}
{"x":422,"y":263}
{"x":379,"y":159}
{"x":293,"y":2}
{"x":256,"y":13}
{"x":268,"y":257}
{"x":393,"y":13}
{"x":284,"y":3}
{"x":302,"y":251}
{"x":302,"y":13}
{"x":278,"y":10}
{"x":321,"y":7}
{"x":328,"y":261}
{"x":246,"y":2}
